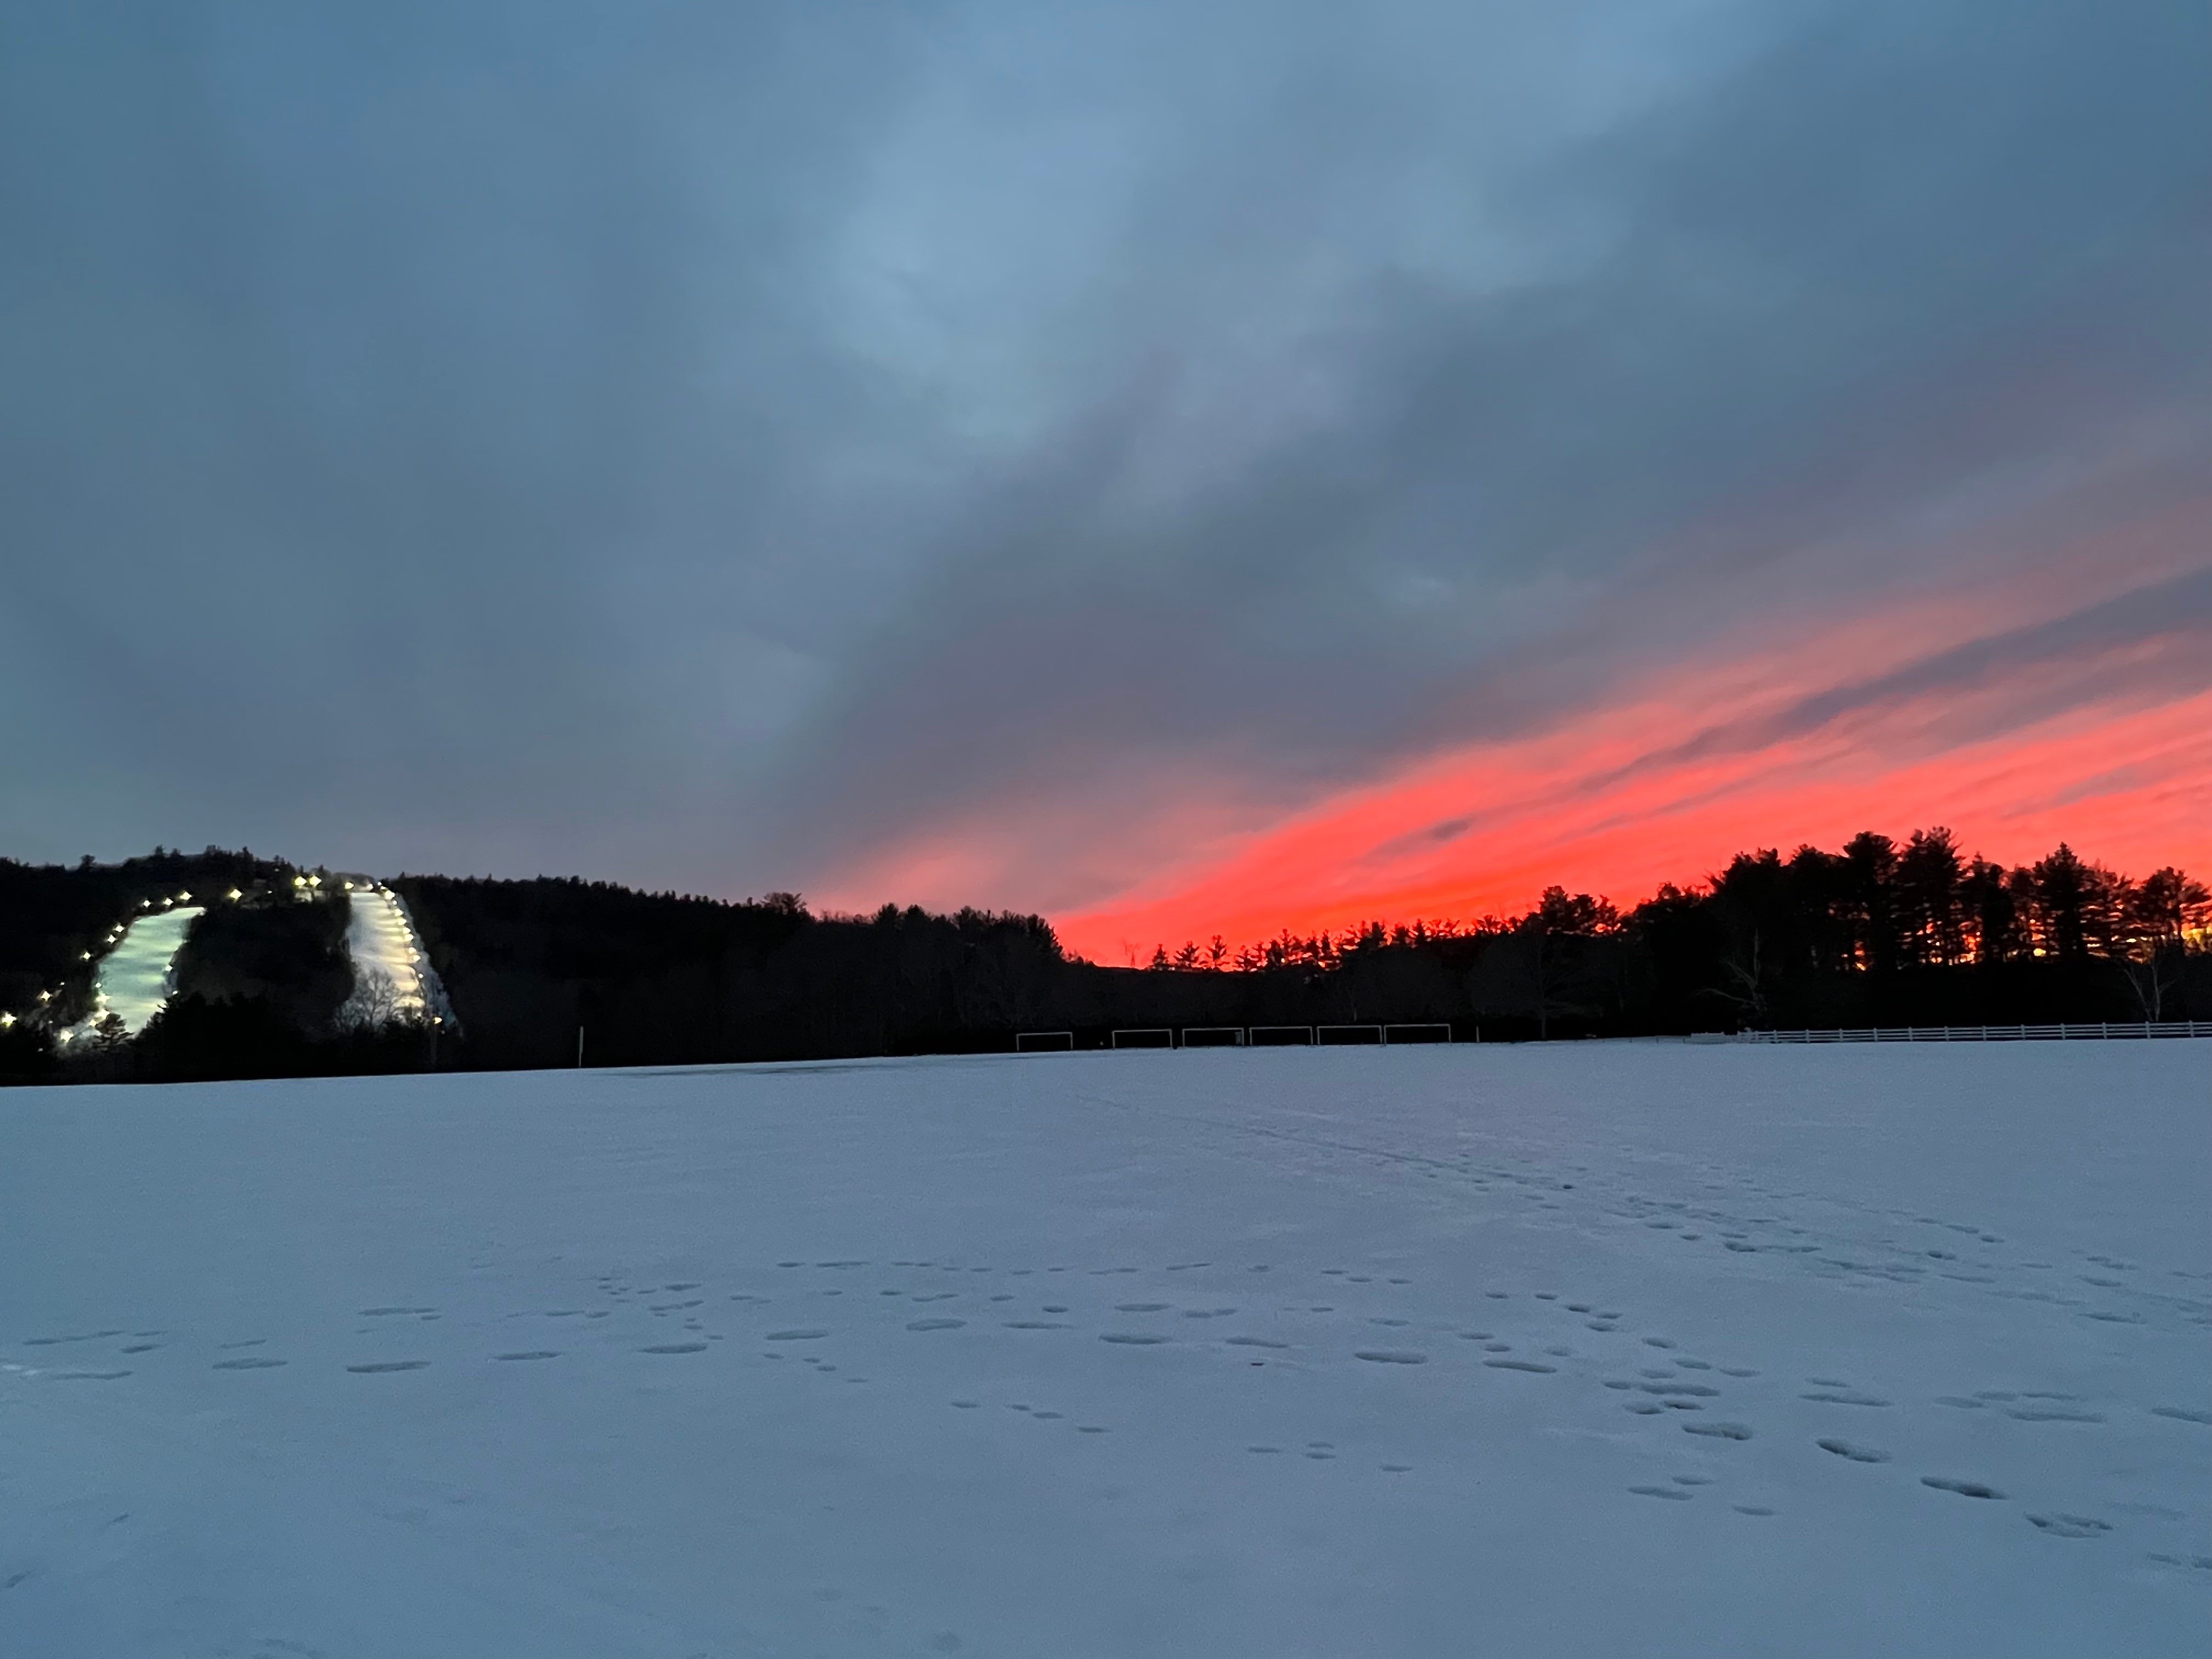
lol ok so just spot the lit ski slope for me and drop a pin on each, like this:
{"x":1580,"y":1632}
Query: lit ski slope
{"x":132,"y":981}
{"x":387,"y":958}
{"x":1591,"y":1349}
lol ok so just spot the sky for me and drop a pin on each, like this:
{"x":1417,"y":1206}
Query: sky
{"x":1181,"y":468}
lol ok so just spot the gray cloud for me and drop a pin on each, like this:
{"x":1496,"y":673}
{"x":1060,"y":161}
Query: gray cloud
{"x":708,"y":448}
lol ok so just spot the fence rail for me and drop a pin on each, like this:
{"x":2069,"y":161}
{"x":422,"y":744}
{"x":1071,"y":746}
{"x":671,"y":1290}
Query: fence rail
{"x":2103,"y":1030}
{"x":1143,"y":1037}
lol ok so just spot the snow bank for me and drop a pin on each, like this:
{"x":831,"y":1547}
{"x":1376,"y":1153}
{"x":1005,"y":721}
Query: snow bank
{"x":1593,"y":1349}
{"x":135,"y":979}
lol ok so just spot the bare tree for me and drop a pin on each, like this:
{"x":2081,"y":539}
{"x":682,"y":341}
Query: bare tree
{"x":378,"y":1003}
{"x":1749,"y":992}
{"x":2153,"y":977}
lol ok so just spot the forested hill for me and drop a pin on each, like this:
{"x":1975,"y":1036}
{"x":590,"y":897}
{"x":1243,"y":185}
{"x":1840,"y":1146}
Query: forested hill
{"x":1878,"y":932}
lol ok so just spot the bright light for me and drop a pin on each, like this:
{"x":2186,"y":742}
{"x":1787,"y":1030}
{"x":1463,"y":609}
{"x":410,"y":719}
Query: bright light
{"x":235,"y":894}
{"x":84,"y":956}
{"x":6,"y":1020}
{"x":45,"y":996}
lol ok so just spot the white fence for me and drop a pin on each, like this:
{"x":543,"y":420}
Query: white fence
{"x":2172,"y":1028}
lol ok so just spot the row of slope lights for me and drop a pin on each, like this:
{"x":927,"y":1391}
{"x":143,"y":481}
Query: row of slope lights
{"x":413,"y":949}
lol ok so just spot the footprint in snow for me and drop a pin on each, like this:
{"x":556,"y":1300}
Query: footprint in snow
{"x":1392,"y":1355}
{"x":2083,"y":1526}
{"x":1856,"y":1454}
{"x":1963,"y":1488}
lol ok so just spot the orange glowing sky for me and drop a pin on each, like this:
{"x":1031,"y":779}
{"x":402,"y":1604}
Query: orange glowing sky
{"x":2074,"y":702}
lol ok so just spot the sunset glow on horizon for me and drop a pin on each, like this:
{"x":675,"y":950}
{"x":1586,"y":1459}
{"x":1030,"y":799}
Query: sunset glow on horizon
{"x":2131,"y":790}
{"x":2072,"y":707}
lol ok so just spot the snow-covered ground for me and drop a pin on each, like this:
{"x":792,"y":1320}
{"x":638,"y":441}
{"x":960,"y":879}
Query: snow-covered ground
{"x":1591,"y":1349}
{"x":132,"y":981}
{"x":392,"y":977}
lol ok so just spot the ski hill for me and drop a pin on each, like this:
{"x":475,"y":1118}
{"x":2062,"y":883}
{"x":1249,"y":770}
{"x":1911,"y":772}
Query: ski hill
{"x":332,"y":956}
{"x":392,"y":977}
{"x":137,"y":976}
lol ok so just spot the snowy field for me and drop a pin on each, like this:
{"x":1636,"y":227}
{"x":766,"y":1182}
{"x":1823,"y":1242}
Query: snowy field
{"x":132,"y":981}
{"x":1593,"y":1349}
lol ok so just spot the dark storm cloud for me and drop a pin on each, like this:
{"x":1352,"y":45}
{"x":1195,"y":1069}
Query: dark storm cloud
{"x":711,"y":452}
{"x":2146,"y":644}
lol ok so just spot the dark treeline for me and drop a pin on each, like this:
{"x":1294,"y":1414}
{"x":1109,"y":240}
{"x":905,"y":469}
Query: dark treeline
{"x":1881,"y":933}
{"x":1878,"y":932}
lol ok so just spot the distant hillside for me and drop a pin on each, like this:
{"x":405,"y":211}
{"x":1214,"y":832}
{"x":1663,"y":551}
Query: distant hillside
{"x":282,"y":968}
